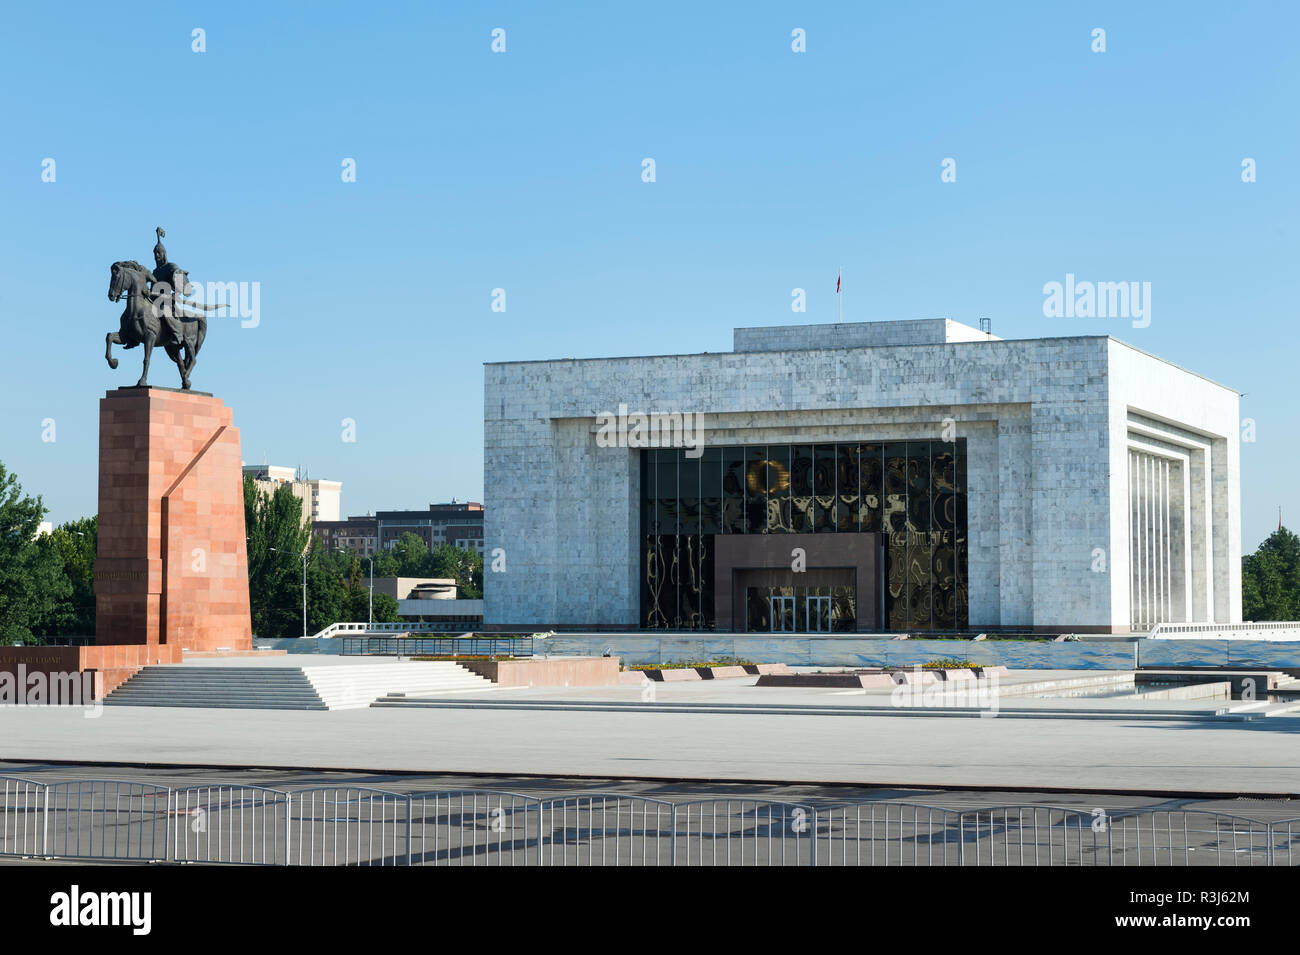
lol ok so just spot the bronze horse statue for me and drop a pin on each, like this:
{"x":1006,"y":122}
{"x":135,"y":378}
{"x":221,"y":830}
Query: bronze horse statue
{"x":155,"y":314}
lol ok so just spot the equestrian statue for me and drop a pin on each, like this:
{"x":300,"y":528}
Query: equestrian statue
{"x":157,"y":312}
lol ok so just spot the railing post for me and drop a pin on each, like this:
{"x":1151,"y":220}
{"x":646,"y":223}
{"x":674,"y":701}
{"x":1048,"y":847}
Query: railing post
{"x":45,"y":822}
{"x":672,"y":839}
{"x":167,"y":830}
{"x":288,"y":829}
{"x":409,"y":807}
{"x":171,"y":833}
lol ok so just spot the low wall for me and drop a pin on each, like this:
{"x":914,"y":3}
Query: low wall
{"x":112,"y":664}
{"x":1089,"y":654}
{"x":576,"y":671}
{"x":325,"y":646}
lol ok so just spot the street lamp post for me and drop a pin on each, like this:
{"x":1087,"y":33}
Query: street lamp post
{"x":304,"y":586}
{"x":371,"y":624}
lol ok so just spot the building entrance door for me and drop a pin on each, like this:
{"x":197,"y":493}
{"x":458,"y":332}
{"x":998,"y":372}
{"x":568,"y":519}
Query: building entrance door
{"x":782,"y":614}
{"x":819,"y":614}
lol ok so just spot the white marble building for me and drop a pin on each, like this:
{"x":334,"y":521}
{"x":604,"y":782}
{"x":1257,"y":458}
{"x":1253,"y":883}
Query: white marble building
{"x":1101,"y":483}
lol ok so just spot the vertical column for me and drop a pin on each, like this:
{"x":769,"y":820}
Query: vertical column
{"x":1162,"y":537}
{"x":1169,"y":574}
{"x":1223,"y":524}
{"x":1132,"y":541}
{"x":1180,"y":606}
{"x":1151,"y":539}
{"x":1145,"y":468}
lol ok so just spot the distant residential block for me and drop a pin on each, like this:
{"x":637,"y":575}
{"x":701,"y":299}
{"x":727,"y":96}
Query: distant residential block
{"x":359,"y":534}
{"x":458,"y":523}
{"x":321,"y":499}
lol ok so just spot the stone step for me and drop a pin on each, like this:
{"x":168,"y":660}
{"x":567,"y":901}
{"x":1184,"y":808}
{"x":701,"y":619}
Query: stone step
{"x":220,"y":704}
{"x":404,"y":699}
{"x":215,"y":693}
{"x":306,"y":687}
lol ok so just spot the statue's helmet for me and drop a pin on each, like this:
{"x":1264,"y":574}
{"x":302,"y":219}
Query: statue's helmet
{"x":159,"y":250}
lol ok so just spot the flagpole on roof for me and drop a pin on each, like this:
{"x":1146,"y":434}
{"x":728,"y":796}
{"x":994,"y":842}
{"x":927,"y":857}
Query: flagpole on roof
{"x":839,"y":292}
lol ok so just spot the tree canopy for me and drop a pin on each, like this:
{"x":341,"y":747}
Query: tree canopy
{"x":33,"y":584}
{"x":409,"y":557}
{"x":1270,"y":579}
{"x":75,"y":544}
{"x":47,"y":582}
{"x":277,"y":539}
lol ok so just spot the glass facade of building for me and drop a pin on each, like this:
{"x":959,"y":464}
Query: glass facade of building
{"x":913,"y":493}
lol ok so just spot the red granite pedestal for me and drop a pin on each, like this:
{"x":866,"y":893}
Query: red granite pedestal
{"x":172,"y":568}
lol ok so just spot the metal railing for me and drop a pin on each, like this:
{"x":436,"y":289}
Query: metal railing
{"x":107,"y":819}
{"x":1262,"y":630}
{"x":475,"y":827}
{"x":425,"y":626}
{"x":244,"y":825}
{"x":116,"y":820}
{"x":438,"y":646}
{"x":600,"y":829}
{"x":24,"y":815}
{"x":349,"y":825}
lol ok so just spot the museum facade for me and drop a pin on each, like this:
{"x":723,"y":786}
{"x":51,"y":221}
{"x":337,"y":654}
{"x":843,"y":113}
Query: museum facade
{"x":914,"y":476}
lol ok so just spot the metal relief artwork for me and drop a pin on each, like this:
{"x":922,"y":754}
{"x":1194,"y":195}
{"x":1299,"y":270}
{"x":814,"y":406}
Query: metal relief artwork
{"x":910,"y":493}
{"x":157,"y":312}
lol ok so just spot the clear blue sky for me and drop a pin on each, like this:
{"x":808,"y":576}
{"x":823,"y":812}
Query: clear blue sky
{"x":522,"y":170}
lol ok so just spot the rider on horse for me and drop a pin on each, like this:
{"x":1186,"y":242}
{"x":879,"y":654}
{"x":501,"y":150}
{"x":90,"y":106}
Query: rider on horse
{"x":168,"y":299}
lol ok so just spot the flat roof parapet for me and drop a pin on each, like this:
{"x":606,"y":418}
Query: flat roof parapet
{"x":922,"y":331}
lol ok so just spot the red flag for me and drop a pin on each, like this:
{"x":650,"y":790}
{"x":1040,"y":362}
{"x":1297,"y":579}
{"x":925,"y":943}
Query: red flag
{"x":837,"y":285}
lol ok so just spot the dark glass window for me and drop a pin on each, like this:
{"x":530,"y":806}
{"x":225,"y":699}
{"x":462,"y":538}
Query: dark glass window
{"x":824,"y":510}
{"x":778,"y":488}
{"x":846,"y":486}
{"x":711,"y":491}
{"x":801,"y":489}
{"x":688,"y":495}
{"x":913,"y":493}
{"x":733,"y":490}
{"x":870,"y":493}
{"x":756,"y":489}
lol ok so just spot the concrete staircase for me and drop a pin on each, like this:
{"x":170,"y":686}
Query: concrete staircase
{"x":289,"y":687}
{"x":353,"y":687}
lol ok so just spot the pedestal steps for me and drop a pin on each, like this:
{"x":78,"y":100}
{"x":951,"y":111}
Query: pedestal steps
{"x":353,"y":687}
{"x":289,"y":688}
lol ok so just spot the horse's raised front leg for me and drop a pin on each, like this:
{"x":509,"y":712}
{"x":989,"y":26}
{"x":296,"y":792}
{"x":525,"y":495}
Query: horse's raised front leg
{"x":110,"y":340}
{"x":148,"y":351}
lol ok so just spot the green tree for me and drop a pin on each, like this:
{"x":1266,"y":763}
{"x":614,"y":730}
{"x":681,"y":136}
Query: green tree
{"x":277,"y":539}
{"x":327,"y":591}
{"x":1270,"y":579}
{"x":75,"y":543}
{"x":32,"y":581}
{"x":463,"y":566}
{"x":386,"y":565}
{"x":357,"y":607}
{"x":411,"y":555}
